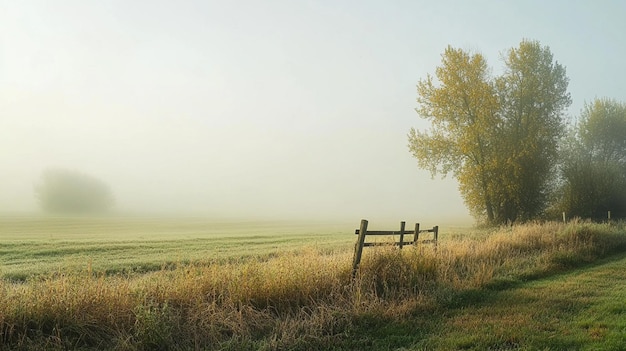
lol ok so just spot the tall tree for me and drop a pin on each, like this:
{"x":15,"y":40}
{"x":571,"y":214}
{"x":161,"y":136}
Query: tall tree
{"x":533,"y":95}
{"x":463,"y":111}
{"x":594,"y":163}
{"x":498,"y":136}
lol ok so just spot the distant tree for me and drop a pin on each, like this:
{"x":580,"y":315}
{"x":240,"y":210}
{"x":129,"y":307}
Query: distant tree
{"x":497,"y":136}
{"x":593,"y":163}
{"x":66,"y":191}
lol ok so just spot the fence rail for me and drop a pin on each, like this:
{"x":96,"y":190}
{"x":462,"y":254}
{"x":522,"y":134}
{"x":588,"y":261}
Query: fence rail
{"x":362,"y":232}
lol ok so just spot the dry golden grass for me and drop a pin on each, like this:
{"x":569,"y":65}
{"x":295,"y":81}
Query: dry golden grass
{"x":302,"y":300}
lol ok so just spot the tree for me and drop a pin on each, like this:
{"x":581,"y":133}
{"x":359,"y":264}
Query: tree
{"x":533,"y":95}
{"x":65,"y":191}
{"x":463,"y":112}
{"x":593,"y":164}
{"x":497,"y":136}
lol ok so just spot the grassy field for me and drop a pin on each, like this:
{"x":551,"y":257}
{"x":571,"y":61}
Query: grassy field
{"x":194,"y":284}
{"x":39,"y":245}
{"x":584,"y":309}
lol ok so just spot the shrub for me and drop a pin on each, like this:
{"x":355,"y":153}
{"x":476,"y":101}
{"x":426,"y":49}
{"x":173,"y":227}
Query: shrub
{"x":65,"y":191}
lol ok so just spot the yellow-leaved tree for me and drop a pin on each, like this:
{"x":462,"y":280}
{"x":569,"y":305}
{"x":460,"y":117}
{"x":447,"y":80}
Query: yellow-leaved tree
{"x":534,"y":97}
{"x":497,"y":135}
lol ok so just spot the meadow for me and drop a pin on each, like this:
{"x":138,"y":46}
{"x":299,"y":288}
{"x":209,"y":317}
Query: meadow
{"x":34,"y":245}
{"x":195,"y":284}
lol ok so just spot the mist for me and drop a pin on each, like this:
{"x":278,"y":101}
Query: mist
{"x":278,"y":110}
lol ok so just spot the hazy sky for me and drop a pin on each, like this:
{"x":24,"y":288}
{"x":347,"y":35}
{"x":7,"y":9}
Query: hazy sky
{"x":284,"y":108}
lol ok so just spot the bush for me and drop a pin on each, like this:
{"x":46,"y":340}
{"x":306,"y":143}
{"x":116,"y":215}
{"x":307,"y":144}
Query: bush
{"x":65,"y":191}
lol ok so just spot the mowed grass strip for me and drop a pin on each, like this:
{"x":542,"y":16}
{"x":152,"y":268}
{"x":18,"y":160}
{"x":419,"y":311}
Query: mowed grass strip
{"x":581,"y":310}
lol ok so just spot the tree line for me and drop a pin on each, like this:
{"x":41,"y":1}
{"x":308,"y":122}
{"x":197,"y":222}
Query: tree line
{"x":507,"y":141}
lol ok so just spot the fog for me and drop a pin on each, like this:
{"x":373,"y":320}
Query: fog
{"x":275,"y":109}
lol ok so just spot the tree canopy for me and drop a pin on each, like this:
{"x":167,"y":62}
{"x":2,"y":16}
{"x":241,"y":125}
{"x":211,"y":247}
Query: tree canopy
{"x":72,"y":192}
{"x":497,"y":135}
{"x":594,"y":163}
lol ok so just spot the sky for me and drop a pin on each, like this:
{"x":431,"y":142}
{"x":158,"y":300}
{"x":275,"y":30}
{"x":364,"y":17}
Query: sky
{"x":278,"y":109}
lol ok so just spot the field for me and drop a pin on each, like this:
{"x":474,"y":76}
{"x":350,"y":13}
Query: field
{"x":38,"y":245}
{"x":196,"y":284}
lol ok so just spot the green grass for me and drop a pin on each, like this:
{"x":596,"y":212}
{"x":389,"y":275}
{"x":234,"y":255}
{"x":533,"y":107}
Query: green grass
{"x":31,"y":246}
{"x":145,"y":284}
{"x":580,"y":310}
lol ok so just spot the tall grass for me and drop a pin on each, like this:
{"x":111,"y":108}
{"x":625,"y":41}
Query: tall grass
{"x":300,"y":300}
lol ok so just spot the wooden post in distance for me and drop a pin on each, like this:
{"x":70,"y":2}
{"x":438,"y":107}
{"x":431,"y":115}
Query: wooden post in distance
{"x":416,"y":236}
{"x":402,"y":234}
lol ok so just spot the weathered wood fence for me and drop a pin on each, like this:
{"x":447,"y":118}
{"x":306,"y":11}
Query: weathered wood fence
{"x":362,"y":232}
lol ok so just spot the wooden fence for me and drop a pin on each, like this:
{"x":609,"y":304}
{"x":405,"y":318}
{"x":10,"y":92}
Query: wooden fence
{"x":362,"y":232}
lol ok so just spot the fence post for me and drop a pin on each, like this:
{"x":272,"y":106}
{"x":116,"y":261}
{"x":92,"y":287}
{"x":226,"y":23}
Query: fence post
{"x":416,"y":236}
{"x":358,"y":248}
{"x":436,"y":230}
{"x":402,"y":234}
